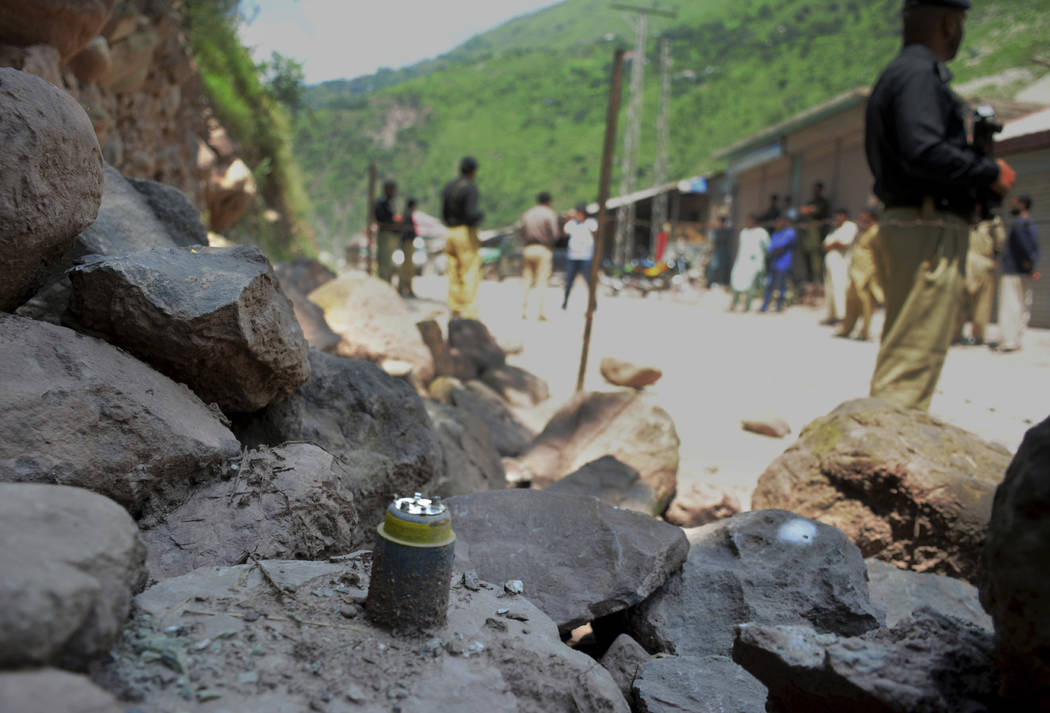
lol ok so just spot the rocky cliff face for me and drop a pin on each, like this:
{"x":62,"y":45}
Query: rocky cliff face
{"x":129,"y":65}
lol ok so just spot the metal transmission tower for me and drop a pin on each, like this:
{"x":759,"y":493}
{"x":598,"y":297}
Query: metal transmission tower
{"x":623,"y":241}
{"x":663,"y":140}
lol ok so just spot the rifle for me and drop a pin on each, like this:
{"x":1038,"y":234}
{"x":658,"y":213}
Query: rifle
{"x":985,"y":127}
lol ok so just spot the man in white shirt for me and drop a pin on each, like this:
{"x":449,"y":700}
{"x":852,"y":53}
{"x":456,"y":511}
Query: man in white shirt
{"x":836,"y":265}
{"x":580,"y":230}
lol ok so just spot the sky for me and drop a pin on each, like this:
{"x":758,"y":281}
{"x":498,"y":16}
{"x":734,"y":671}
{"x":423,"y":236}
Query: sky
{"x":342,"y":39}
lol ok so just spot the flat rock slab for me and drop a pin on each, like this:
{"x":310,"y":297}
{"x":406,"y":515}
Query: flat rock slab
{"x":928,"y":662}
{"x":175,"y":212}
{"x":518,"y":387}
{"x":701,"y":504}
{"x":612,"y":482}
{"x":624,"y":660}
{"x":772,"y":427}
{"x":75,"y":410}
{"x":770,"y":567}
{"x":697,"y":684}
{"x":471,"y":341}
{"x":905,"y":487}
{"x":624,"y":373}
{"x":901,"y":592}
{"x":304,"y":274}
{"x":70,"y":563}
{"x":509,"y":435}
{"x":212,"y":318}
{"x":290,"y":502}
{"x":283,"y":642}
{"x":470,"y":462}
{"x":57,"y":187}
{"x":49,"y":690}
{"x":578,"y":558}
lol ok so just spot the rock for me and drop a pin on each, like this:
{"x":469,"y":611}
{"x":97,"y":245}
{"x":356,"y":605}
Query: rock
{"x":621,"y":424}
{"x":471,"y":340}
{"x":772,"y":427}
{"x":130,"y":60}
{"x":446,"y":364}
{"x":928,"y":662}
{"x":905,"y":487}
{"x":470,"y":462}
{"x":305,"y":274}
{"x":901,"y":592}
{"x":311,"y":320}
{"x":509,"y":435}
{"x":291,"y":502}
{"x":697,"y":684}
{"x":92,"y":62}
{"x":373,"y":321}
{"x":56,"y":191}
{"x":309,"y":657}
{"x":624,"y":660}
{"x":174,"y":211}
{"x":75,"y":410}
{"x":767,"y":567}
{"x":579,"y":559}
{"x":623,"y":373}
{"x":49,"y":690}
{"x":701,"y":504}
{"x":70,"y":563}
{"x":67,"y":25}
{"x":230,"y":192}
{"x":1015,"y":575}
{"x":212,"y":318}
{"x":356,"y":412}
{"x":517,"y":386}
{"x":611,"y":482}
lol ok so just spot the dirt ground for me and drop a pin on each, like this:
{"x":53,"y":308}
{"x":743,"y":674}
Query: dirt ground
{"x":721,"y":367}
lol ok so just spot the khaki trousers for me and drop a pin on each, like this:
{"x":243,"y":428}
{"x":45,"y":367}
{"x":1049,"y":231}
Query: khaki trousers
{"x":539,"y":260}
{"x":387,"y":242}
{"x":925,"y":253}
{"x":1013,"y":310}
{"x":980,"y":295}
{"x":860,"y":302}
{"x":464,"y":271}
{"x":407,"y":270}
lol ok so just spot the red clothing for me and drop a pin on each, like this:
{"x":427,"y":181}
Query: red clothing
{"x":661,"y":245}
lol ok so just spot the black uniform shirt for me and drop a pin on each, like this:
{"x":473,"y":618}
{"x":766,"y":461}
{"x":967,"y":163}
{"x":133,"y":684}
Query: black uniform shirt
{"x":459,"y":203}
{"x":384,"y":213}
{"x":915,"y":137}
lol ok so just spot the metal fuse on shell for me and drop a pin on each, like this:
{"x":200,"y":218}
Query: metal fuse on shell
{"x":412,"y":565}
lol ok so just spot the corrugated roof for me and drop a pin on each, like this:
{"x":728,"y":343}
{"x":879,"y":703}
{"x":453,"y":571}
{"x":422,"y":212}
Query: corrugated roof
{"x":1034,"y":123}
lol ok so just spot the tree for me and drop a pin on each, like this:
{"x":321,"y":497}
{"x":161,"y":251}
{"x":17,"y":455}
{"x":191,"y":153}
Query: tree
{"x":284,"y":80}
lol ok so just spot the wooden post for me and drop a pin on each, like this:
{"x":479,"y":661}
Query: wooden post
{"x":603,"y":214}
{"x":371,"y":216}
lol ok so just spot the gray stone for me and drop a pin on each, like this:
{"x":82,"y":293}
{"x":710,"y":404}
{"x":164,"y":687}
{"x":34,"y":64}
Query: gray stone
{"x":311,"y":320}
{"x":212,"y":318}
{"x":624,"y":660}
{"x":174,"y":211}
{"x":304,"y":274}
{"x":769,"y":426}
{"x":447,"y":362}
{"x":472,"y":341}
{"x":70,"y":563}
{"x":1015,"y":577}
{"x":510,"y":436}
{"x":49,"y":690}
{"x":518,"y":387}
{"x":769,"y":567}
{"x":905,"y":487}
{"x":291,"y":502}
{"x":75,"y":410}
{"x":623,"y":373}
{"x":701,"y":504}
{"x":697,"y":684}
{"x":900,"y":592}
{"x":56,"y":189}
{"x":612,"y":482}
{"x":66,"y":25}
{"x":377,"y":424}
{"x":470,"y":462}
{"x":579,"y":559}
{"x":928,"y":662}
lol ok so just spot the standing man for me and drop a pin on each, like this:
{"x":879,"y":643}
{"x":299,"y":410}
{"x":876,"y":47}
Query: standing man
{"x":459,"y":211}
{"x":581,"y":231}
{"x":781,"y":245}
{"x":865,"y":284}
{"x":389,"y":237}
{"x":927,"y":175}
{"x":1019,"y":259}
{"x":539,"y":225}
{"x":837,"y":247}
{"x":750,"y":266}
{"x":816,"y":212}
{"x":408,"y":248}
{"x":719,"y":267}
{"x":986,"y":243}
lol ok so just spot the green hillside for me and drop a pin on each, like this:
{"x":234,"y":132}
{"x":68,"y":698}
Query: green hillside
{"x":528,"y":99}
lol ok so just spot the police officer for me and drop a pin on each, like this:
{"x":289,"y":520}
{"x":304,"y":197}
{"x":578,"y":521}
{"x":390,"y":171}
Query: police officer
{"x":927,"y":175}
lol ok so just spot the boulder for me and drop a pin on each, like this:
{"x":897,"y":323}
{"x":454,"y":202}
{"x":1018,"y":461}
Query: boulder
{"x":768,"y":567}
{"x":130,"y":59}
{"x":75,"y":410}
{"x":927,"y":662}
{"x":49,"y":690}
{"x":620,"y":424}
{"x":212,"y":318}
{"x":67,"y":25}
{"x":701,"y":504}
{"x":92,"y":62}
{"x":613,"y":483}
{"x":361,"y":415}
{"x":289,"y":502}
{"x":305,"y":274}
{"x":311,"y":320}
{"x":578,"y":558}
{"x":470,"y":462}
{"x":509,"y":436}
{"x":623,"y":373}
{"x":772,"y":427}
{"x":446,"y":363}
{"x":905,"y":487}
{"x":306,"y":655}
{"x":1015,"y":576}
{"x":373,"y":321}
{"x":70,"y":563}
{"x":624,"y":660}
{"x":901,"y":592}
{"x":697,"y":684}
{"x":471,"y":340}
{"x":56,"y":190}
{"x":518,"y":387}
{"x":174,"y":211}
{"x":230,"y":192}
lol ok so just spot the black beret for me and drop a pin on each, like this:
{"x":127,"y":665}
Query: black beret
{"x":957,"y":4}
{"x":468,"y":164}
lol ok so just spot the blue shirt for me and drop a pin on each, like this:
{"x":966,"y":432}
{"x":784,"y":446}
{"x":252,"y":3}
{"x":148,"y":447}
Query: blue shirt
{"x":780,"y":245}
{"x":1022,"y":248}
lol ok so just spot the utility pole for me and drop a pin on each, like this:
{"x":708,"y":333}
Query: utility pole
{"x":369,"y":235}
{"x":663,"y":141}
{"x":623,"y":243}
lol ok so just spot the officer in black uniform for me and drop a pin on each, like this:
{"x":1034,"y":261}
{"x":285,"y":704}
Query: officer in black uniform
{"x":928,"y":176}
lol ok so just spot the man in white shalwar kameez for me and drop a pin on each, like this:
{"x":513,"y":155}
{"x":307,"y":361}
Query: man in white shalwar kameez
{"x":750,"y":265}
{"x":836,"y":265}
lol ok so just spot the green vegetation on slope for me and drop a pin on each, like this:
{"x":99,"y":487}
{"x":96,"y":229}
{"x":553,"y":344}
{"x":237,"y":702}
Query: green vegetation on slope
{"x":528,"y":99}
{"x":259,"y":123}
